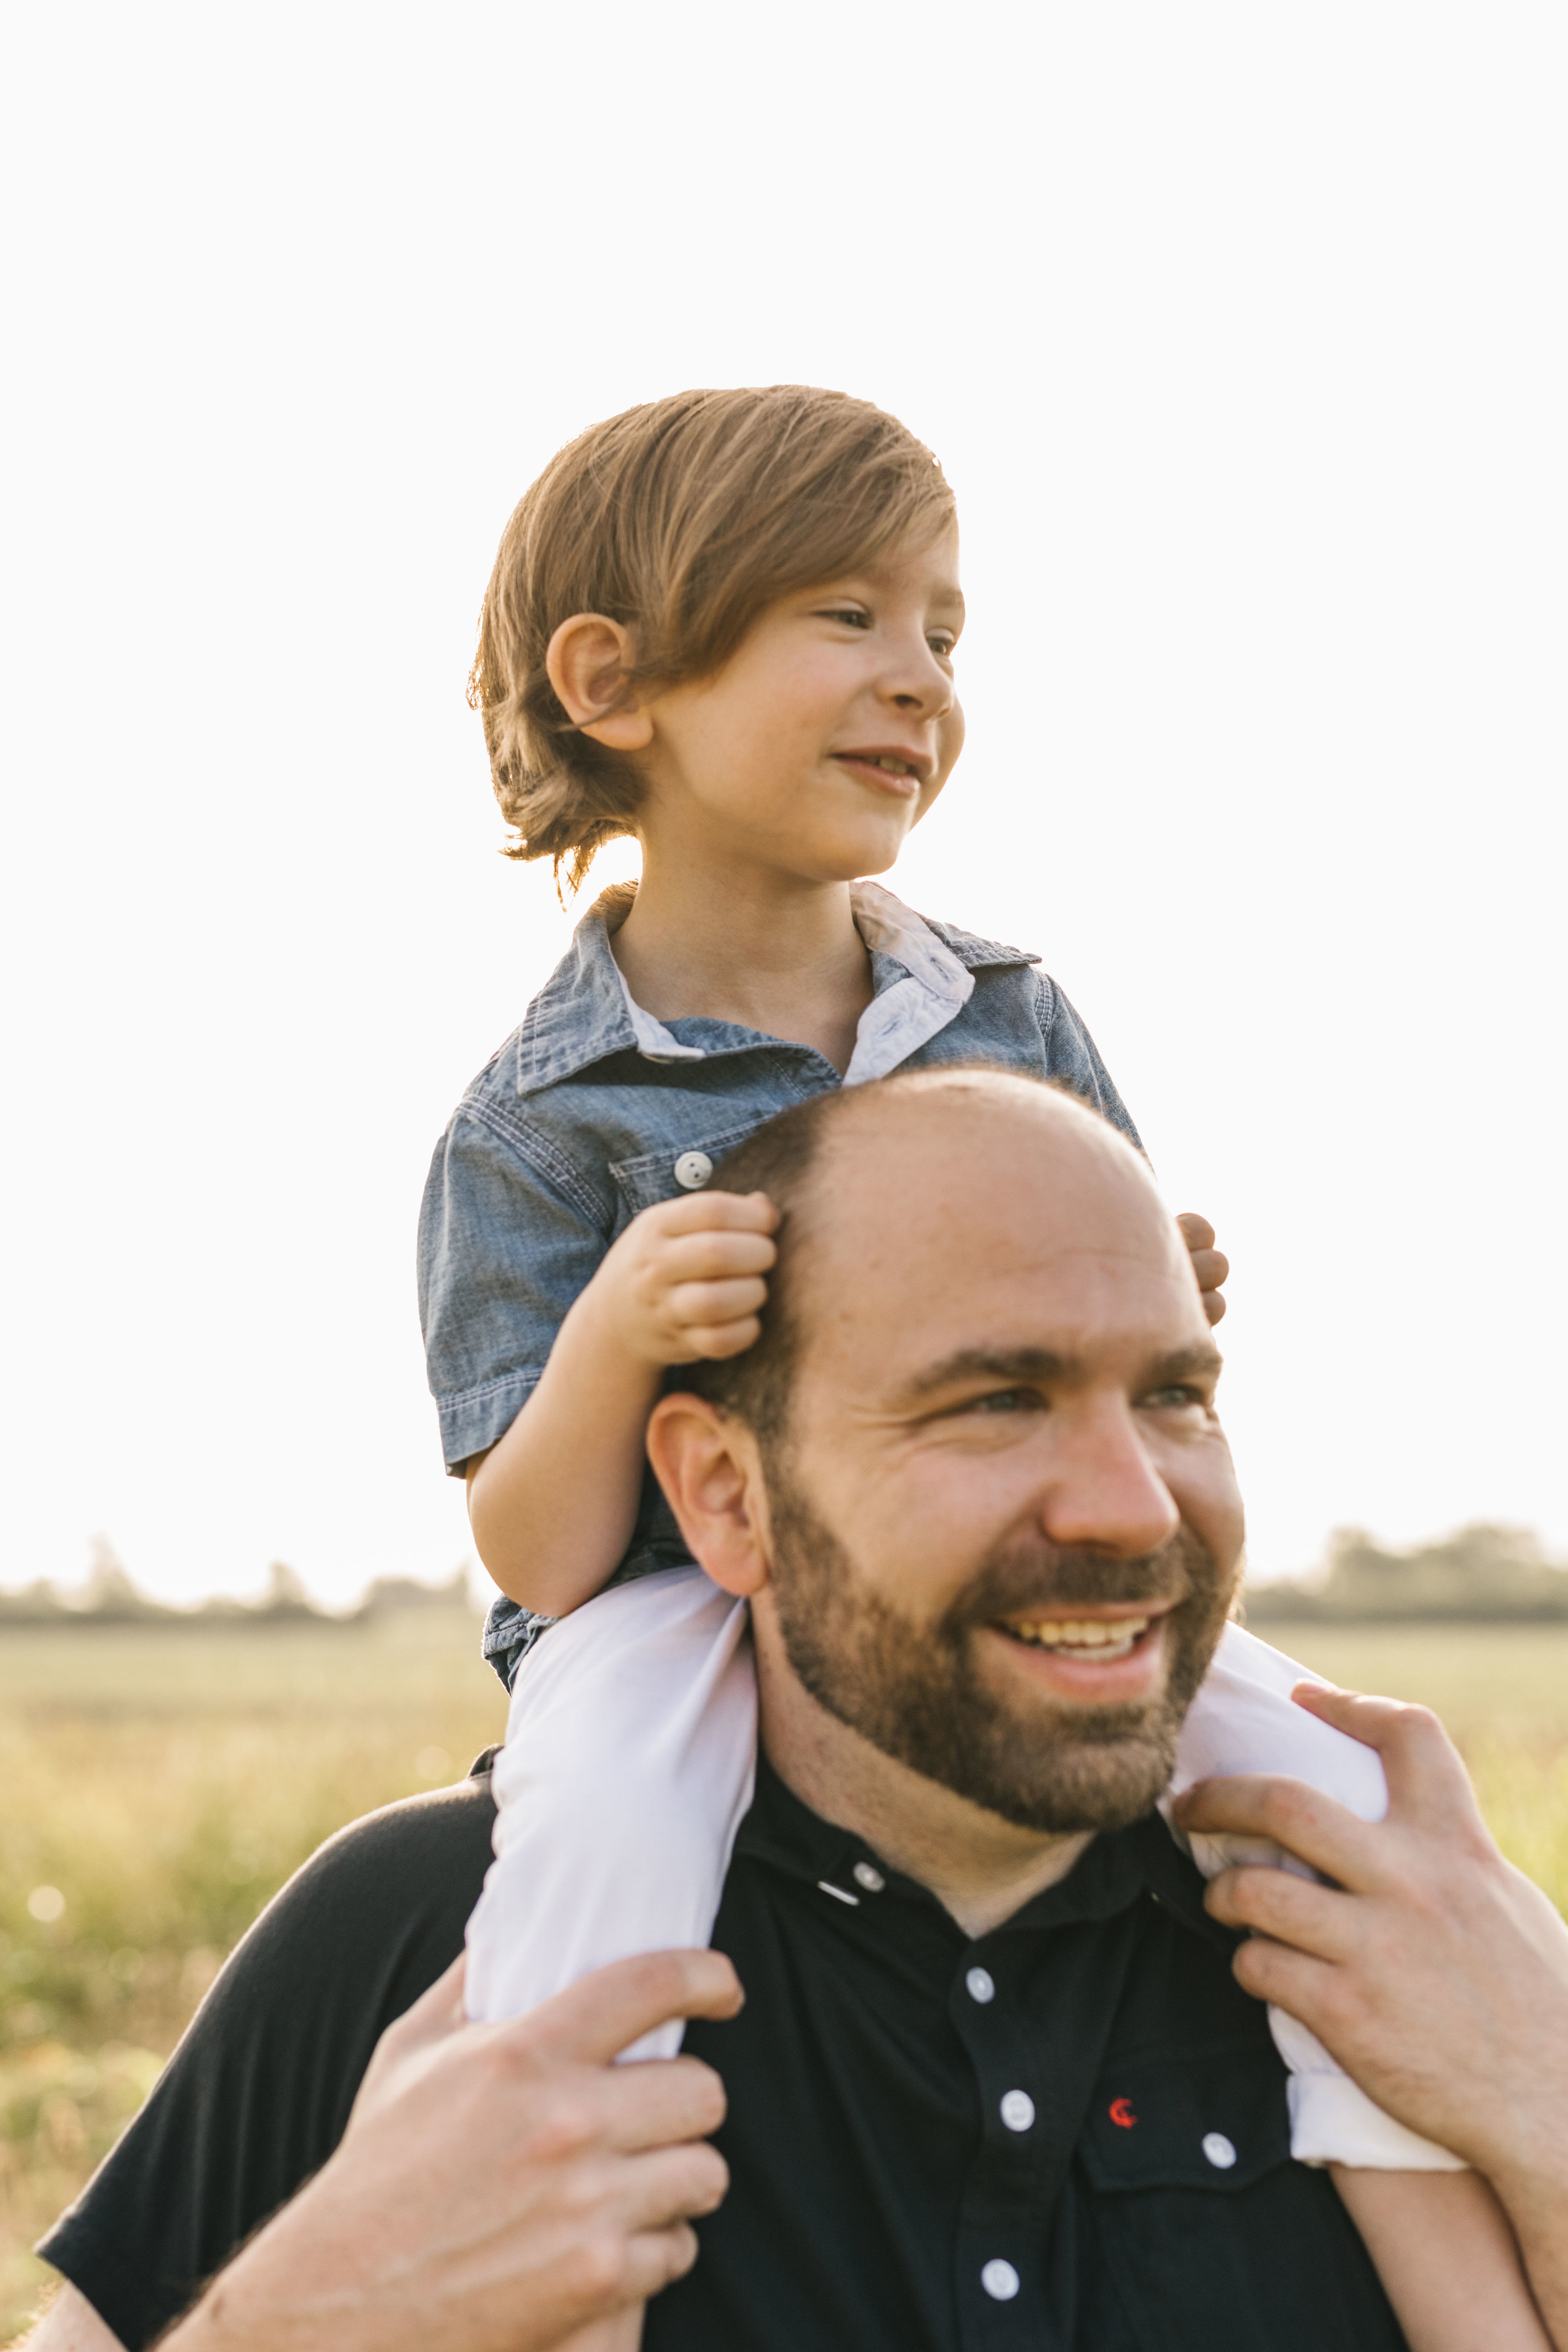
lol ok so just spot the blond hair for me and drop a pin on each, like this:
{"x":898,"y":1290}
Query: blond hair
{"x":682,"y":519}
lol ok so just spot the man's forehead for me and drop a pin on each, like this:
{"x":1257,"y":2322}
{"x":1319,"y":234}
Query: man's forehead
{"x":991,"y":1220}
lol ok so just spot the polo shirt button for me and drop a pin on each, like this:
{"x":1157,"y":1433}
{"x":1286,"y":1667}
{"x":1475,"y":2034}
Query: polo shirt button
{"x":981,"y":1984}
{"x":872,"y":1880}
{"x":692,"y":1170}
{"x":1017,"y":2110}
{"x":1219,"y":2150}
{"x":1000,"y":2280}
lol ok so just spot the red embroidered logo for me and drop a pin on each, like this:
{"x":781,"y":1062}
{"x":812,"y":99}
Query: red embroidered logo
{"x":1121,"y":2112}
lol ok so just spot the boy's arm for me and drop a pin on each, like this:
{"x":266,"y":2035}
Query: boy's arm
{"x":1442,"y":2246}
{"x":552,"y":1504}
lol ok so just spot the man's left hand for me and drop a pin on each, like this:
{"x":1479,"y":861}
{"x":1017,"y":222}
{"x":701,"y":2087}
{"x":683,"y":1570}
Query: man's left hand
{"x":1431,"y":1969}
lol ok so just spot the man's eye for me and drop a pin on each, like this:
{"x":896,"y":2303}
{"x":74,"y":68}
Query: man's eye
{"x":1166,"y":1400}
{"x":1004,"y":1400}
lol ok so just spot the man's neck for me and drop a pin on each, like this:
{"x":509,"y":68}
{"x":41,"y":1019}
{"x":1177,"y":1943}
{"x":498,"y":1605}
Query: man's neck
{"x":980,"y":1867}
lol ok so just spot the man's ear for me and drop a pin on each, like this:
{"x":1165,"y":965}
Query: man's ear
{"x":707,"y":1462}
{"x":586,"y":660}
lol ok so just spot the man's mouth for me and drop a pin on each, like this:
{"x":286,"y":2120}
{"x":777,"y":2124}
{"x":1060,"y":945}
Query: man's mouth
{"x":1097,"y":1639}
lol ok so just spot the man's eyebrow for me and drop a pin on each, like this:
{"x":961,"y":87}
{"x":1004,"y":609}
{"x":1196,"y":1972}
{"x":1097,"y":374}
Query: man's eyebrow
{"x":1015,"y":1365}
{"x":1024,"y":1367}
{"x":1201,"y":1361}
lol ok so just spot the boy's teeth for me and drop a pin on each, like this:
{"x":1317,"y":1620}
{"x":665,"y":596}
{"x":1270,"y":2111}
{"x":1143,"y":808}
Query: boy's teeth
{"x":899,"y":767}
{"x":1084,"y":1634}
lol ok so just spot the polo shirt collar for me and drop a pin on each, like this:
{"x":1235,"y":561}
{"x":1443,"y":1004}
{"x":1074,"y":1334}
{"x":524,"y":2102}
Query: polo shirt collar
{"x":923,"y":973}
{"x":1110,"y":1874}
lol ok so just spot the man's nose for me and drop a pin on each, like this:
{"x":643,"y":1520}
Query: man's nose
{"x":1102,"y":1490}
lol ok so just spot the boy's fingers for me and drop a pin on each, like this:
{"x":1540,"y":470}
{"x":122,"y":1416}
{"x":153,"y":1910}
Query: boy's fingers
{"x":711,"y":1305}
{"x":1195,"y":1231}
{"x":1213,"y":1305}
{"x":714,"y":1343}
{"x":707,"y":1256}
{"x":1301,"y":1818}
{"x":697,"y":1213}
{"x":605,"y":2013}
{"x":1212,"y":1267}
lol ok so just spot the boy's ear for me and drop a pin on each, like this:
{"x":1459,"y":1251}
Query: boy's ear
{"x":586,"y":661}
{"x":708,"y":1465}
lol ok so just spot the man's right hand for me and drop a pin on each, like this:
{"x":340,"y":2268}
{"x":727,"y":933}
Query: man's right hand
{"x":499,"y":2186}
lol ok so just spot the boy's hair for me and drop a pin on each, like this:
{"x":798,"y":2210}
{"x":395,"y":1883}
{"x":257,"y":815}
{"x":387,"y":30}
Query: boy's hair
{"x":682,"y":519}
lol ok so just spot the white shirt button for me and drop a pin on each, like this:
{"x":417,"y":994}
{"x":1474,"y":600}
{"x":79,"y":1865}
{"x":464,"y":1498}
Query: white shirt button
{"x":692,"y":1170}
{"x":1017,"y":2110}
{"x":1000,"y":2280}
{"x":872,"y":1880}
{"x":982,"y":1984}
{"x":1219,"y":2150}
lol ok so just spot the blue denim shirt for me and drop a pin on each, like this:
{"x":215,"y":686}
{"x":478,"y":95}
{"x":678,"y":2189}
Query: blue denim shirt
{"x":592,"y":1110}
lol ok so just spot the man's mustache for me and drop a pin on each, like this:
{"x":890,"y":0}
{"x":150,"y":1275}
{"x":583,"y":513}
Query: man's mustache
{"x":1040,"y":1577}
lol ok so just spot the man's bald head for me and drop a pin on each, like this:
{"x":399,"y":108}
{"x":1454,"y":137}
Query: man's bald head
{"x":876,"y":1179}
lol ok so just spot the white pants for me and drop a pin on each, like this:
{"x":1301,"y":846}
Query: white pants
{"x":629,"y":1762}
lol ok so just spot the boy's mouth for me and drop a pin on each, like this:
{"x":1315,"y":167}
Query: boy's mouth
{"x":903,"y":773}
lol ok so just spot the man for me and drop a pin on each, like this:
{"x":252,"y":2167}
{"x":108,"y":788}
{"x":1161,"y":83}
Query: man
{"x":995,"y":2080}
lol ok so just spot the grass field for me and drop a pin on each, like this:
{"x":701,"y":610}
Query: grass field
{"x":159,"y":1785}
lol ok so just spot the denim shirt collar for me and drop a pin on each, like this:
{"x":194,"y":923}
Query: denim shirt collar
{"x":922,"y":972}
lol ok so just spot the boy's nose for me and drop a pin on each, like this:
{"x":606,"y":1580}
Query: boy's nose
{"x":918,"y":683}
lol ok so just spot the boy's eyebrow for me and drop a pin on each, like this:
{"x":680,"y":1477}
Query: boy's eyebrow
{"x":1030,"y":1366}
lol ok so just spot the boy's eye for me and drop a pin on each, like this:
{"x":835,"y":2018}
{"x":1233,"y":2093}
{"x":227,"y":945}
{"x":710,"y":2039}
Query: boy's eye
{"x":852,"y":614}
{"x":942,"y":643}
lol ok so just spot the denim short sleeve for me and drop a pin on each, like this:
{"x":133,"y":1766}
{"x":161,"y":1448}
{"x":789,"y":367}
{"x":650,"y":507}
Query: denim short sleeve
{"x":1072,"y":1058}
{"x":507,"y":1241}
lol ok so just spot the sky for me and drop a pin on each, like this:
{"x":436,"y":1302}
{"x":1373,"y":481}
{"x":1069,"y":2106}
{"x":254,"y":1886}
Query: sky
{"x":1240,"y":334}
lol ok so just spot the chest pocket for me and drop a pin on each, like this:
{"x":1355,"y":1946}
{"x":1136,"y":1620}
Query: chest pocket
{"x":1210,"y":2237}
{"x":676,"y":1168}
{"x":1210,"y":2119}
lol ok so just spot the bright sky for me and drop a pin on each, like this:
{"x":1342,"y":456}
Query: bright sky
{"x":1240,"y":333}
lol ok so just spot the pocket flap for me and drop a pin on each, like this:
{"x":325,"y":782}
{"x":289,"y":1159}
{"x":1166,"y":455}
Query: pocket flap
{"x":1213,"y":2118}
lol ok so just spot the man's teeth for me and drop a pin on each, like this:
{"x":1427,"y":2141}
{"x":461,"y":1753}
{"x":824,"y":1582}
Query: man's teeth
{"x":1081,"y":1636}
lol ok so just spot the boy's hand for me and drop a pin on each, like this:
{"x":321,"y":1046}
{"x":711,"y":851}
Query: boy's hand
{"x":1210,"y":1265}
{"x":685,"y":1280}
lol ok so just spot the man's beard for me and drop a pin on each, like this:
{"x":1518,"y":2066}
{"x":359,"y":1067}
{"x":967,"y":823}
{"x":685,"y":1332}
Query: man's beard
{"x":919,"y":1694}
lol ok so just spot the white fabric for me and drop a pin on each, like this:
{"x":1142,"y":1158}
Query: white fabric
{"x":629,"y":1761}
{"x":1243,"y":1720}
{"x":896,"y":1023}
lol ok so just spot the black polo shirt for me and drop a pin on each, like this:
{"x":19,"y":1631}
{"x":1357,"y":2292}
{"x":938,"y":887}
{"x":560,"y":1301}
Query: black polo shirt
{"x":1068,"y":2135}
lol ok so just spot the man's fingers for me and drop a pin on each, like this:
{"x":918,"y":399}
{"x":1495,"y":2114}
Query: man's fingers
{"x":435,"y":2018}
{"x":1302,"y":1820}
{"x":671,"y":2184}
{"x":1425,"y":1771}
{"x":605,"y":2013}
{"x":654,"y":2101}
{"x":1295,"y":1911}
{"x":1295,"y":1981}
